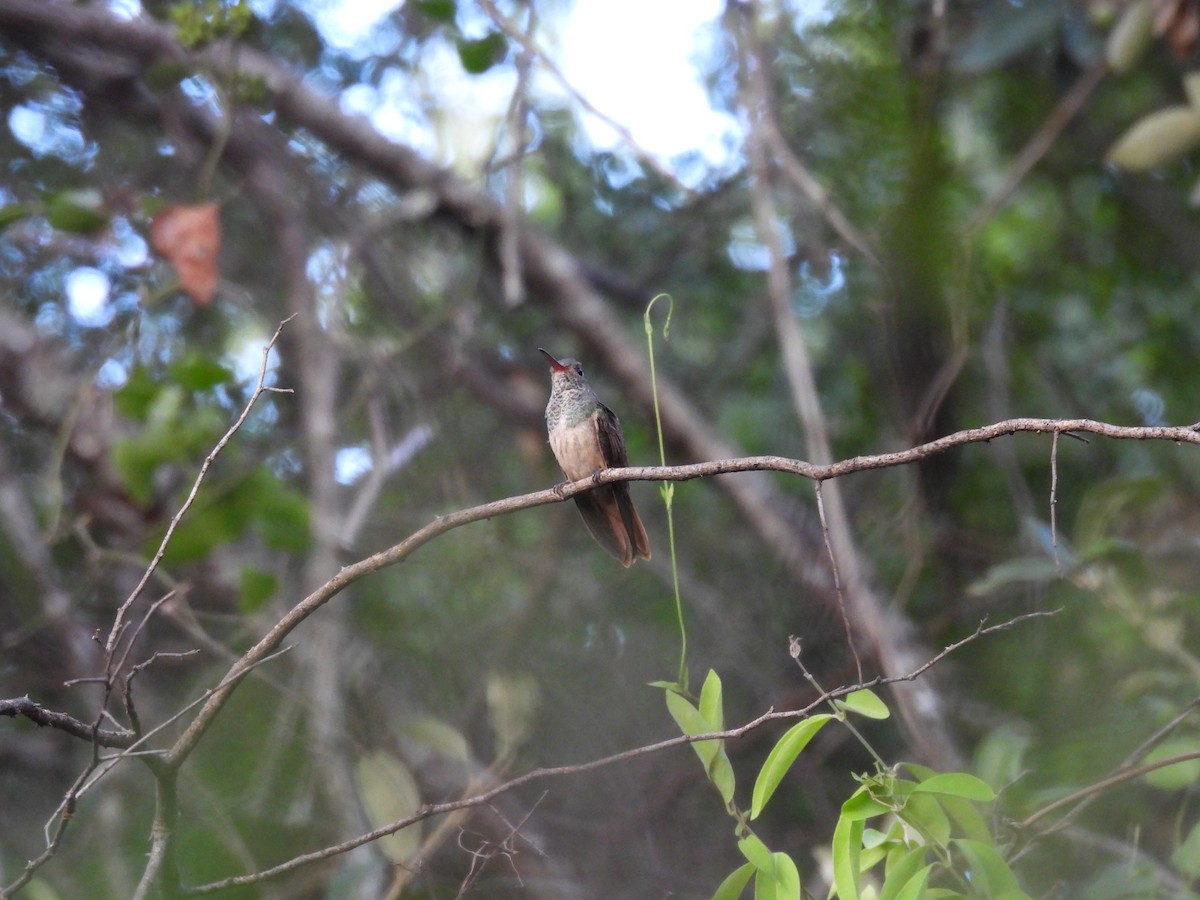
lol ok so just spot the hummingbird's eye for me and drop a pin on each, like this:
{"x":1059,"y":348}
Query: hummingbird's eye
{"x":579,"y":370}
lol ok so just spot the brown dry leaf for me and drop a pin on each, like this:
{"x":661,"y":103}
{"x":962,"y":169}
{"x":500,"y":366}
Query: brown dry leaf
{"x":190,"y":239}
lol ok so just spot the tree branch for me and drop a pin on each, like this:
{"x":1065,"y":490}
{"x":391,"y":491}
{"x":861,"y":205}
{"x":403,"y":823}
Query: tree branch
{"x":442,"y":524}
{"x":46,"y":718}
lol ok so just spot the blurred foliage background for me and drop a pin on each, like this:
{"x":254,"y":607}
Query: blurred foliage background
{"x":926,"y":192}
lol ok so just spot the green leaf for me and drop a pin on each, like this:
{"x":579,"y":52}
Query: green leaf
{"x":135,"y":397}
{"x":438,"y":10}
{"x":1131,"y":36}
{"x":846,"y":847}
{"x":162,"y":76}
{"x":256,"y":589}
{"x":512,"y":703}
{"x":388,"y":792}
{"x":967,"y":817}
{"x":478,"y":56}
{"x":11,"y":213}
{"x":781,"y":757}
{"x":440,"y":737}
{"x":1157,"y":138}
{"x":765,"y":885}
{"x":712,"y":753}
{"x":911,"y":889}
{"x":864,"y":703}
{"x":1126,"y":879}
{"x":862,"y":805}
{"x":1180,"y":775}
{"x":926,"y":815}
{"x":204,"y":528}
{"x":964,"y":811}
{"x":999,"y":757}
{"x":873,"y":851}
{"x":735,"y":882}
{"x":1186,"y":857}
{"x":900,"y":872}
{"x":988,"y":871}
{"x":280,"y":513}
{"x":1023,"y":570}
{"x":756,"y":851}
{"x":787,"y":877}
{"x":710,"y":701}
{"x":720,"y":773}
{"x":957,"y":784}
{"x":78,"y":211}
{"x":687,"y":717}
{"x":198,"y":372}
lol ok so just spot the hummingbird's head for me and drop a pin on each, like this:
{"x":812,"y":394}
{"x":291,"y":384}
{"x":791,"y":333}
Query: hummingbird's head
{"x":571,"y":368}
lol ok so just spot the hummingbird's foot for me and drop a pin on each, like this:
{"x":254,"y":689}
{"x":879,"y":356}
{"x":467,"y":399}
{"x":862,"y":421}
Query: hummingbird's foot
{"x":596,"y":476}
{"x":560,"y":489}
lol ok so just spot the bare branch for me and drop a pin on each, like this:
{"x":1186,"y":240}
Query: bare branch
{"x":46,"y":718}
{"x":401,"y":551}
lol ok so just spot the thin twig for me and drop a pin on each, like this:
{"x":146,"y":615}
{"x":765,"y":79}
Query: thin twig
{"x":837,"y":581}
{"x":123,"y":611}
{"x":1054,"y":499}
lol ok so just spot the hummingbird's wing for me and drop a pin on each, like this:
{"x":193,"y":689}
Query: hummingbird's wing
{"x":612,"y":440}
{"x":624,"y":526}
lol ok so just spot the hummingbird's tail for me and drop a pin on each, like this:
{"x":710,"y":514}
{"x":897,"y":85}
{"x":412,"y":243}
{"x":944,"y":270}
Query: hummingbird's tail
{"x":610,"y":516}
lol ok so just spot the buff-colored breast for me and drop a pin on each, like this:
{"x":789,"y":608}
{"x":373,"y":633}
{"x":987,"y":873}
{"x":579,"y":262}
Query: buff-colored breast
{"x":577,"y":449}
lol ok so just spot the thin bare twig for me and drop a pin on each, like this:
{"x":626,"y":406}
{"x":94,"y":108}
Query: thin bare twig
{"x":502,"y":848}
{"x":118,"y":625}
{"x":1054,"y":499}
{"x":837,"y":581}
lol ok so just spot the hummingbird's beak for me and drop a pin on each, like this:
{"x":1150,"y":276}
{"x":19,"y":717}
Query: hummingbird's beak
{"x":555,"y":365}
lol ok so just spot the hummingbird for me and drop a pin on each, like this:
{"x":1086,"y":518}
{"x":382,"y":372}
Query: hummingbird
{"x":586,"y":437}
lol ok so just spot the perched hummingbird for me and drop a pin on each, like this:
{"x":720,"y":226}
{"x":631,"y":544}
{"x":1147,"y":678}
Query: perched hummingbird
{"x":586,"y":437}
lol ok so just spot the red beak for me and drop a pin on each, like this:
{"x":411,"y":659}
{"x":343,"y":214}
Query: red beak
{"x":555,"y":365}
